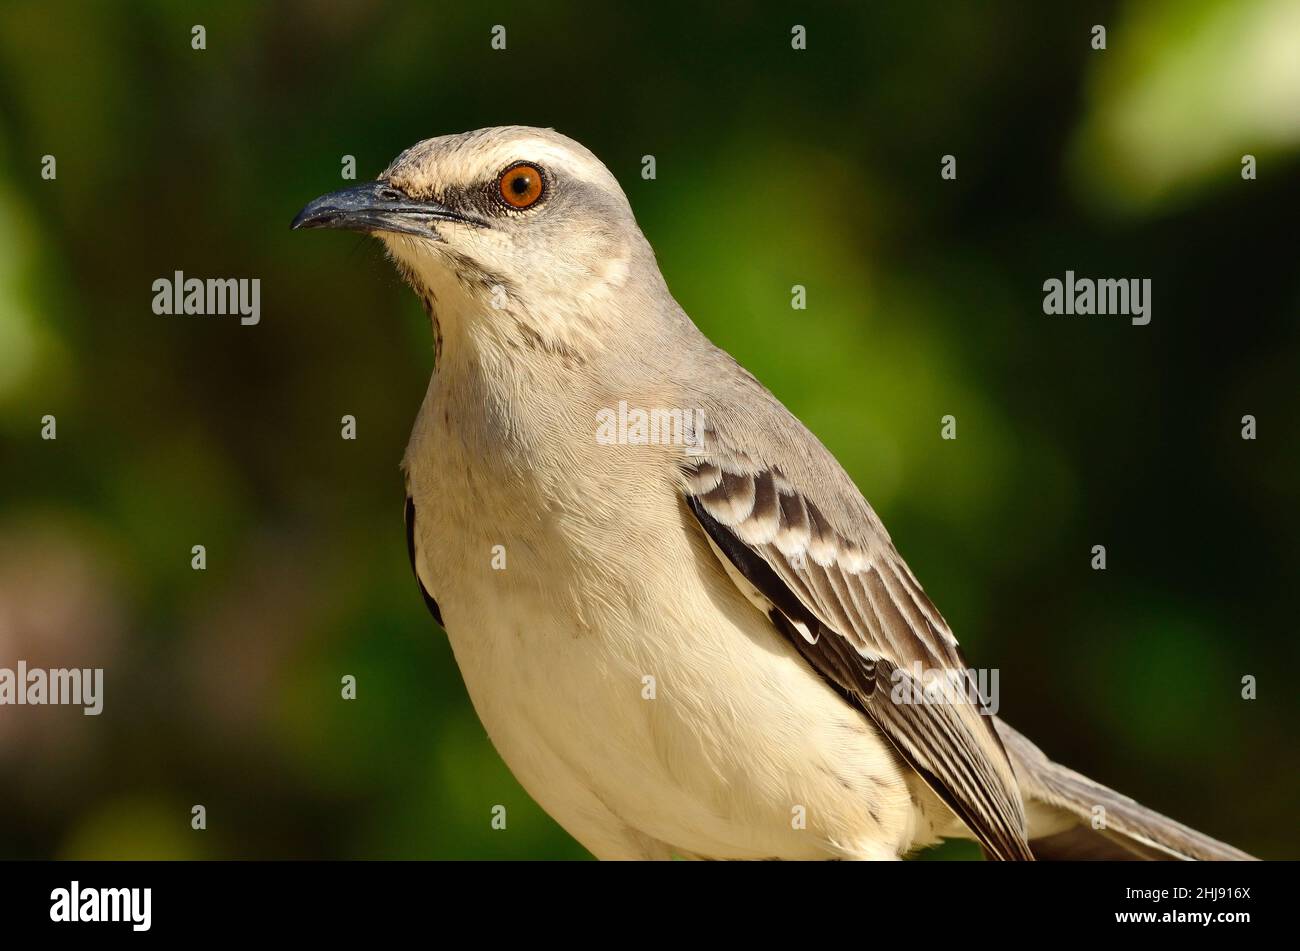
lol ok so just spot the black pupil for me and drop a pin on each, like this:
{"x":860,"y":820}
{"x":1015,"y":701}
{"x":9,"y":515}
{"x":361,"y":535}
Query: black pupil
{"x":521,"y":184}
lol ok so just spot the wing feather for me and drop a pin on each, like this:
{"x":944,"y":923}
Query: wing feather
{"x":868,"y":626}
{"x":408,"y":515}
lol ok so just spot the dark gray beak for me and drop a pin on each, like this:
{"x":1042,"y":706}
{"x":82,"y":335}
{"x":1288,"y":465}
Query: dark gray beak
{"x":375,"y":206}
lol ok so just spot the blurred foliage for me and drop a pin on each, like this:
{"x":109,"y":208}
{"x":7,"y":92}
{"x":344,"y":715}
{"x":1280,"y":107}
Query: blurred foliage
{"x":774,"y":168}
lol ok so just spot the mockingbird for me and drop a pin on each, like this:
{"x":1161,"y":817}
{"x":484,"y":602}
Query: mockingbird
{"x":685,"y":634}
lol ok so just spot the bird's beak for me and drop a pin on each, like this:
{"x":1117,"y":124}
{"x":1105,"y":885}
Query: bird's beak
{"x":375,"y":206}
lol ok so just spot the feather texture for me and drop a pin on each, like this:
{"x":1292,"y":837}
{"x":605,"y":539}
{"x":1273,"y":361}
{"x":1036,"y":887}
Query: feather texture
{"x":858,"y":616}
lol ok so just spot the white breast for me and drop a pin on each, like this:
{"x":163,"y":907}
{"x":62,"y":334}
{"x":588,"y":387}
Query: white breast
{"x":636,"y":694}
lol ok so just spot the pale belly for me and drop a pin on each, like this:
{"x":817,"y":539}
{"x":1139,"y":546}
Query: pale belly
{"x":650,"y":712}
{"x":671,"y":724}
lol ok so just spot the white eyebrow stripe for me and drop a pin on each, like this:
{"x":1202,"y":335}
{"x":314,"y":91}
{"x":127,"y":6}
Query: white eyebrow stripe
{"x":574,"y":164}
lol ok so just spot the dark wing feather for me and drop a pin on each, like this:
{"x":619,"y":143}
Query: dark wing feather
{"x":409,"y":516}
{"x":859,"y":617}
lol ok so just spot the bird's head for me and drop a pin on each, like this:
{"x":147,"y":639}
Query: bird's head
{"x":515,"y":214}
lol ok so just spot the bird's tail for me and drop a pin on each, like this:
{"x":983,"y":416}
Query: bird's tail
{"x":1071,"y":817}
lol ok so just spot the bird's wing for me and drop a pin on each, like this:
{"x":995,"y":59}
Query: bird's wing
{"x":408,"y":515}
{"x":843,"y":595}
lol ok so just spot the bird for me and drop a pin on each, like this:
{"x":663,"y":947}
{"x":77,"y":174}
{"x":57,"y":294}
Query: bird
{"x":681,"y":624}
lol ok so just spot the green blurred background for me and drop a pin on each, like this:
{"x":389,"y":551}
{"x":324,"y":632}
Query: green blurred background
{"x":774,"y":168}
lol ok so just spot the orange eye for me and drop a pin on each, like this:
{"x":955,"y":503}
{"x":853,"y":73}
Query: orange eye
{"x":521,"y":185}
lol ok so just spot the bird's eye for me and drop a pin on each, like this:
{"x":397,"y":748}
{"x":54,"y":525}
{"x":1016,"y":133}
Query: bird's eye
{"x":521,"y":185}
